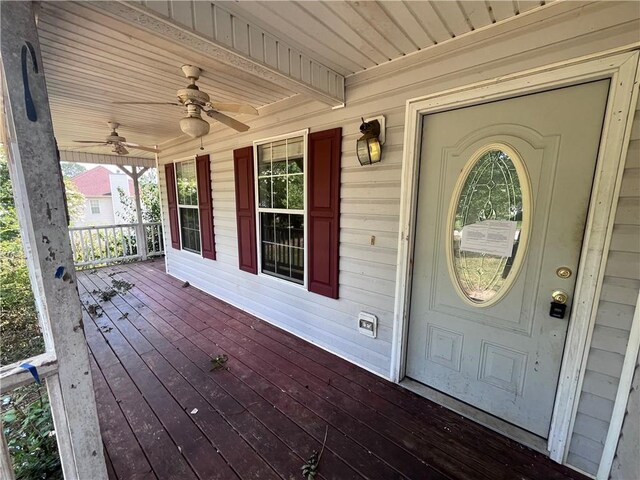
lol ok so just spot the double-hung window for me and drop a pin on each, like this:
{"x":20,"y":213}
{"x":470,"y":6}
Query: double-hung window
{"x":280,"y":187}
{"x":95,"y":206}
{"x":187,"y":194}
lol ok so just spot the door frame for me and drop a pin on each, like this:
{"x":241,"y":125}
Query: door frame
{"x":621,"y":66}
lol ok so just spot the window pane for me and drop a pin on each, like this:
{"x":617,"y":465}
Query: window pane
{"x":280,"y":167}
{"x":491,"y":200}
{"x":187,"y":184}
{"x":279,"y":192}
{"x":283,"y":245}
{"x":296,"y":223}
{"x":267,"y":227}
{"x":190,"y":229}
{"x":279,"y":150}
{"x":296,"y":192}
{"x":295,"y":165}
{"x":282,"y":228}
{"x":297,"y":264}
{"x":295,"y":147}
{"x":264,"y":192}
{"x":264,"y":160}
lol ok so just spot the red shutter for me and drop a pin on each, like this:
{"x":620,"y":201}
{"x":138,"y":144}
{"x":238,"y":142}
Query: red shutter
{"x":323,"y":205}
{"x":170,"y":174}
{"x":205,"y":204}
{"x":245,"y":209}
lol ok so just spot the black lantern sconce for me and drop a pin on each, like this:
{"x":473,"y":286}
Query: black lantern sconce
{"x":369,"y":146}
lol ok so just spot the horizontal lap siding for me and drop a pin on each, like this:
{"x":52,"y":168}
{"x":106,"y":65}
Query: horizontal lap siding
{"x":365,"y":285}
{"x":370,"y":196}
{"x":613,"y":321}
{"x":626,"y":241}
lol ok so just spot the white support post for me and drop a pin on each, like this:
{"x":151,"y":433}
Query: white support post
{"x":40,"y":203}
{"x":141,"y":234}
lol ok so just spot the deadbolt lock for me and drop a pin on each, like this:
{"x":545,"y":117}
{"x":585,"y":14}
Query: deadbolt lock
{"x":564,"y":272}
{"x":560,"y":296}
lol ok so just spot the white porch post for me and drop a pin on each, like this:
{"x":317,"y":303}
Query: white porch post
{"x":38,"y":192}
{"x":141,"y":234}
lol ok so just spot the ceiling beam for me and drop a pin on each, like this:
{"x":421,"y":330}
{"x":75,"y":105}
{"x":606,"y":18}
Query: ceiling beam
{"x":208,"y":29}
{"x":74,"y":156}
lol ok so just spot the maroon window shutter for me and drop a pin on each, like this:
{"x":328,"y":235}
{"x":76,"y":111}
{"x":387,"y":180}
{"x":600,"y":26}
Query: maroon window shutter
{"x":205,"y":204}
{"x":324,"y":211}
{"x":245,"y":209}
{"x":170,"y":174}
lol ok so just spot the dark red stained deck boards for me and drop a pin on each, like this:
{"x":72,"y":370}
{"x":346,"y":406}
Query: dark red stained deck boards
{"x":264,"y":414}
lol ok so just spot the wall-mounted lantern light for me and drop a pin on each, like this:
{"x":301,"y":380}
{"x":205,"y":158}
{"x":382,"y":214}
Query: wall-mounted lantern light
{"x":369,"y":146}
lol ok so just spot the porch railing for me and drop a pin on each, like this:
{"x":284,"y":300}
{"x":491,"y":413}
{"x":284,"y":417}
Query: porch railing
{"x":102,"y":244}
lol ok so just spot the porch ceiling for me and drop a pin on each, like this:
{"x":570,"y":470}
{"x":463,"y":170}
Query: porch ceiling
{"x":93,"y":58}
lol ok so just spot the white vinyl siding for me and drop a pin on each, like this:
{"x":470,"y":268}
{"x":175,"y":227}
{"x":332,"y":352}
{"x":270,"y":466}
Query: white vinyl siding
{"x":370,"y":196}
{"x":104,"y":217}
{"x":611,"y":332}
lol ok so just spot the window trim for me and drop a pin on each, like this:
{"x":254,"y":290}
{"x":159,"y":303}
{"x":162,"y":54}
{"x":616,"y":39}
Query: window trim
{"x":97,"y":203}
{"x":179,"y":206}
{"x":305,"y":151}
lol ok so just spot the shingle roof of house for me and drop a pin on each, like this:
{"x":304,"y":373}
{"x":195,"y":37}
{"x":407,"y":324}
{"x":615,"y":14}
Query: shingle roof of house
{"x":95,"y":182}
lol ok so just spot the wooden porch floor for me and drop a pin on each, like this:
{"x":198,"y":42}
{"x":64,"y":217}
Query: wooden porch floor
{"x":165,"y":415}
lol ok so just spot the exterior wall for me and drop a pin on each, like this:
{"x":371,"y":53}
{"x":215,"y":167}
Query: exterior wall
{"x":370,"y":196}
{"x":105,"y":217}
{"x":116,"y":181}
{"x":625,"y":463}
{"x":613,"y":323}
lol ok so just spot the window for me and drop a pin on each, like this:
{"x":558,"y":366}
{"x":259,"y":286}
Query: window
{"x":281,"y":207}
{"x":95,"y":206}
{"x":187,"y":189}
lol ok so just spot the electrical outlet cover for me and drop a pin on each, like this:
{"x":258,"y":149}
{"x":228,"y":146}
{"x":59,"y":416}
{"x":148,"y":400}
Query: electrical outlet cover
{"x":368,"y":324}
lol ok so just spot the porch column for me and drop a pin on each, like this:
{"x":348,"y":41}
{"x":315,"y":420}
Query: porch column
{"x":141,"y":233}
{"x":40,"y":203}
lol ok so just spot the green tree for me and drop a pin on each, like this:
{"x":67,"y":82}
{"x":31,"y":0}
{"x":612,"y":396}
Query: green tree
{"x":149,"y":197}
{"x":71,"y":169}
{"x":75,"y":201}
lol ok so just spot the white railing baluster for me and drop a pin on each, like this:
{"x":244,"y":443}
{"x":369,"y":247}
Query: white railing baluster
{"x":106,"y":243}
{"x":84,"y":251}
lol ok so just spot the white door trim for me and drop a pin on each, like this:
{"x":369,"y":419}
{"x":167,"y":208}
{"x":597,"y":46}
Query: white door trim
{"x":621,"y":68}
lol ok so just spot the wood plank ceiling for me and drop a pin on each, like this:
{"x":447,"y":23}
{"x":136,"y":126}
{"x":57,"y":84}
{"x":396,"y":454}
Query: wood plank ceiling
{"x":91,"y":60}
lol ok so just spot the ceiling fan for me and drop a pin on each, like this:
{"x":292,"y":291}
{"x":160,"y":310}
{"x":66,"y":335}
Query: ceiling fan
{"x":197,"y":102}
{"x":119,"y":143}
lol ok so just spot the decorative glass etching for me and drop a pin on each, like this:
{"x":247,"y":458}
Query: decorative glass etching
{"x":487,"y":230}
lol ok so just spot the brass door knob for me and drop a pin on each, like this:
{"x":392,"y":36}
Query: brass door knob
{"x":560,"y":296}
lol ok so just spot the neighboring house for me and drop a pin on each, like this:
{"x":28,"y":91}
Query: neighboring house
{"x":99,"y":186}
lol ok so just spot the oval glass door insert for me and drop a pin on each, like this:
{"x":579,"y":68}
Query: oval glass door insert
{"x":489,"y":224}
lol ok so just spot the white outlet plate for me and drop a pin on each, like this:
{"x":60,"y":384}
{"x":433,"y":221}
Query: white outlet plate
{"x":368,"y":324}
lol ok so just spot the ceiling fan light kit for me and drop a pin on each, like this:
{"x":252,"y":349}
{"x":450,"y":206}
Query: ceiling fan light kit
{"x":194,"y":126}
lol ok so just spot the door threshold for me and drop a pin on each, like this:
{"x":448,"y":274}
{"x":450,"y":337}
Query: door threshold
{"x":483,"y":418}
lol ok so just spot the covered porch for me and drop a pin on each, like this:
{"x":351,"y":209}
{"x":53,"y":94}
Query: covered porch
{"x":317,"y":72}
{"x":165,"y":413}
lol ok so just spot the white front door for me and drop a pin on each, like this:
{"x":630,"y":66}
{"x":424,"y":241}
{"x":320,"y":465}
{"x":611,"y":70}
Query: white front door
{"x":504,"y":190}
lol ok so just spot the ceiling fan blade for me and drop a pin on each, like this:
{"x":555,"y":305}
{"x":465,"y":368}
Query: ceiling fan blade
{"x":89,"y":141}
{"x":140,"y":147}
{"x":228,"y":121}
{"x":233,"y":107}
{"x":148,"y":103}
